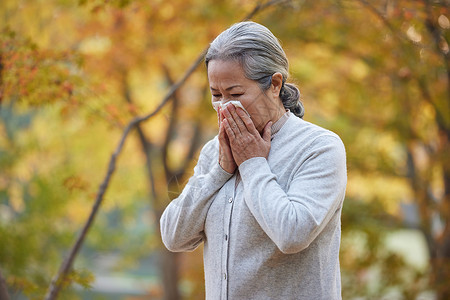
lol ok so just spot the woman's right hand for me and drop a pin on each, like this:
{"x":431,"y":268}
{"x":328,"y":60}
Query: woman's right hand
{"x":226,"y":159}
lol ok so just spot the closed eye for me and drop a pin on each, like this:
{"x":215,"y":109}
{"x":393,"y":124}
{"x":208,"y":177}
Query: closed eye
{"x":236,"y":95}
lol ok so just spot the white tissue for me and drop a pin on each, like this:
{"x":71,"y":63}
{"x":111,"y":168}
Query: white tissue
{"x":236,"y":104}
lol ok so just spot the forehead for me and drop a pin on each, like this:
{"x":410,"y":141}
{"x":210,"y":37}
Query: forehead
{"x":222,"y":73}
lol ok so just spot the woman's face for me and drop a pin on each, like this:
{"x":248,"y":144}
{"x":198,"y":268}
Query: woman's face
{"x":228,"y":82}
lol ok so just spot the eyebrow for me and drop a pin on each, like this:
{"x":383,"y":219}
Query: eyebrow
{"x":227,"y":89}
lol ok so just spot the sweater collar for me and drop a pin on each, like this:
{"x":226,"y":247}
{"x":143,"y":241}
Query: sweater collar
{"x":281,"y":121}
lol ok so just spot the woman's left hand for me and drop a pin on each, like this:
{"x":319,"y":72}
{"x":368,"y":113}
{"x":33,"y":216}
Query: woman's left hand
{"x":245,"y":141}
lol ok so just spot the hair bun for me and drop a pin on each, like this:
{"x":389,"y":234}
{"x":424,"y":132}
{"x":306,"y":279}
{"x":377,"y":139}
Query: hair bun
{"x":290,"y":96}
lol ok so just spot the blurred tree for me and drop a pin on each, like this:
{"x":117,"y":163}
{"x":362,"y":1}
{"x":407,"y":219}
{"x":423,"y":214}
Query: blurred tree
{"x":378,"y":72}
{"x":31,"y":77}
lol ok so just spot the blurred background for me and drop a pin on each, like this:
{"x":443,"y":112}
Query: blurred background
{"x":73,"y":74}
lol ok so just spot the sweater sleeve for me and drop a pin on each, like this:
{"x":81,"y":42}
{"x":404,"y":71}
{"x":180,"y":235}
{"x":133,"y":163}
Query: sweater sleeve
{"x":294,"y":217}
{"x":182,"y":222}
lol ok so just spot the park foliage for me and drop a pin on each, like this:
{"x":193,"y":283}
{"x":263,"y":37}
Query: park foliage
{"x":74,"y":74}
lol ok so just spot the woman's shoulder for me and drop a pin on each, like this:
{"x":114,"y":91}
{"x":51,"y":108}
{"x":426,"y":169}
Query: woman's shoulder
{"x":301,"y":127}
{"x":311,"y":135}
{"x":210,"y":150}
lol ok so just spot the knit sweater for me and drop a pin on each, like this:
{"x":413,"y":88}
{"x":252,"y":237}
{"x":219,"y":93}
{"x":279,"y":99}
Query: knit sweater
{"x":276,"y":234}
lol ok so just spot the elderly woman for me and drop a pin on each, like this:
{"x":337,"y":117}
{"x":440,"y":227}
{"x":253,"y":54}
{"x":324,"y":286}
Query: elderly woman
{"x":267,"y":192}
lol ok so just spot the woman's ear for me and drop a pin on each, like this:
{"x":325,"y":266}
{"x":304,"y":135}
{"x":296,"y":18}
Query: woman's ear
{"x":277,"y":83}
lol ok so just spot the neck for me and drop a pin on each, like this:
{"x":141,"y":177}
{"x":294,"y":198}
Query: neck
{"x":277,"y":113}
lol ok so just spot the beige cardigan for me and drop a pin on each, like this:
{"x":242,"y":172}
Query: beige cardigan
{"x":276,"y":234}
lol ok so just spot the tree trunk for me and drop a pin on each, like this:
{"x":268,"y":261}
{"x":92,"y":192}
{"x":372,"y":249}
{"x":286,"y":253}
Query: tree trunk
{"x":442,"y":272}
{"x":4,"y":295}
{"x":169,"y":268}
{"x":167,"y":265}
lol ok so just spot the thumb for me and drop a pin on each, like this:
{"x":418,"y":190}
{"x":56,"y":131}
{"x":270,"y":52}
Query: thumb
{"x":267,"y":133}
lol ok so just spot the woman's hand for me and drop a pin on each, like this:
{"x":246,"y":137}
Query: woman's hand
{"x":226,"y":159}
{"x":243,"y":138}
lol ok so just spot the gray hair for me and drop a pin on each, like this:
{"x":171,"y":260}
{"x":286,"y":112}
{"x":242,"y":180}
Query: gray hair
{"x":260,"y":54}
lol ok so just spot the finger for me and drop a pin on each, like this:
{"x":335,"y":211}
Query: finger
{"x":230,"y":132}
{"x":221,"y":130}
{"x":267,"y":133}
{"x":219,"y":116}
{"x":237,"y":118}
{"x":222,"y":116}
{"x":225,"y":155}
{"x":222,"y":137}
{"x":247,"y":121}
{"x":230,"y":119}
{"x":222,"y":134}
{"x":224,"y":142}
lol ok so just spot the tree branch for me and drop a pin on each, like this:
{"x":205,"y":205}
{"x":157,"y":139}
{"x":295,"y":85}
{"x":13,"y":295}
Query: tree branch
{"x":145,"y":144}
{"x":1,"y":78}
{"x":437,"y":38}
{"x":397,"y":34}
{"x":60,"y":278}
{"x":195,"y":142}
{"x":171,"y":126}
{"x":418,"y":187}
{"x":66,"y":266}
{"x":261,"y":6}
